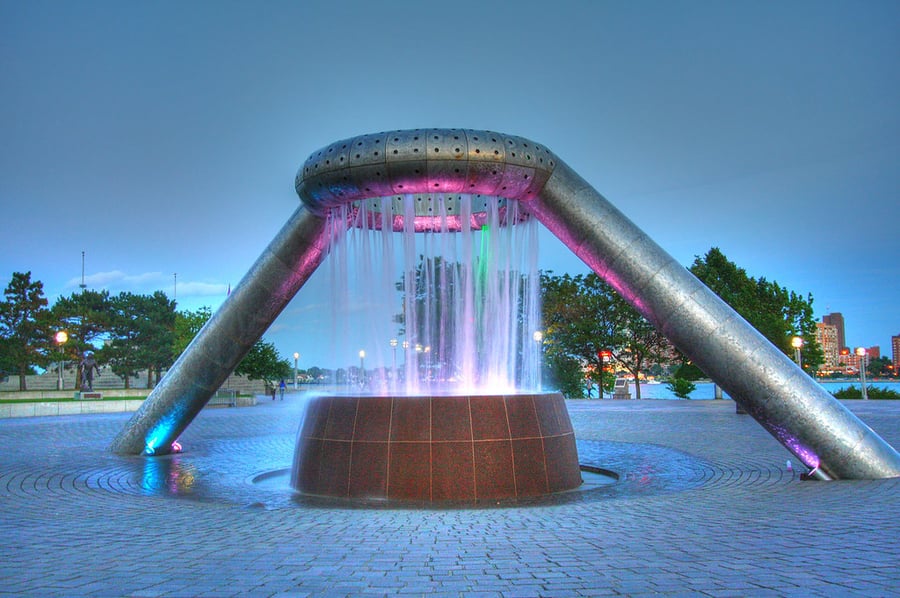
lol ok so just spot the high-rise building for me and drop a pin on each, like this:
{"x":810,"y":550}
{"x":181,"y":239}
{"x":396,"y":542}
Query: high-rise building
{"x":895,"y":349}
{"x":837,"y":320}
{"x":849,"y":359}
{"x":826,"y":336}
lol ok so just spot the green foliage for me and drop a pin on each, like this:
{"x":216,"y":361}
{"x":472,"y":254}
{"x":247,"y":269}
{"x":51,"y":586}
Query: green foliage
{"x":583,"y":316}
{"x":187,"y":325}
{"x":638,"y":344}
{"x":778,"y":314}
{"x":25,"y":327}
{"x":605,"y":379}
{"x":880,"y":367}
{"x":142,"y":334}
{"x":565,"y":374}
{"x":688,"y":371}
{"x":264,"y":363}
{"x":681,"y":387}
{"x":872,"y":392}
{"x":86,"y":317}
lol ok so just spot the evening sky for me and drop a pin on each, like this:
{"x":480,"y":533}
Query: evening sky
{"x":163,"y":137}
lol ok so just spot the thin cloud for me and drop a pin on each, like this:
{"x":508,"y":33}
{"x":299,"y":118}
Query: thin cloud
{"x":116,"y":281}
{"x":201,"y":289}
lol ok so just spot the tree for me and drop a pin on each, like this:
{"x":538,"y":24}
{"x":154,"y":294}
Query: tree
{"x":187,"y":325}
{"x":577,"y":328}
{"x":24,"y":326}
{"x":584,"y":319}
{"x":85,"y":316}
{"x":158,"y":334}
{"x":7,"y":364}
{"x":142,"y":334}
{"x":778,"y":314}
{"x":566,"y":374}
{"x":880,"y":367}
{"x":681,"y":388}
{"x":636,"y":343}
{"x":264,"y":363}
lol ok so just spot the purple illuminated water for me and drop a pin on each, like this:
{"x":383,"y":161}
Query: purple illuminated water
{"x":465,"y":316}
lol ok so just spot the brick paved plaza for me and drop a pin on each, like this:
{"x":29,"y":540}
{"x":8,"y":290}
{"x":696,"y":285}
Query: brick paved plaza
{"x":705,"y":505}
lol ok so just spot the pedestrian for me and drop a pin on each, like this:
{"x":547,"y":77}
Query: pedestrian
{"x":281,"y":387}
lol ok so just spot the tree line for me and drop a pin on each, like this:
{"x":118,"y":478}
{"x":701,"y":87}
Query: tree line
{"x":129,"y":333}
{"x":591,"y":330}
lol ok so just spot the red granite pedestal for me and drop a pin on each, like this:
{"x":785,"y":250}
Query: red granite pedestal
{"x":436,"y":448}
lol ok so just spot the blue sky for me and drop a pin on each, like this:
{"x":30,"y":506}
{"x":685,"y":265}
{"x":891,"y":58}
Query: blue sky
{"x":163,"y":137}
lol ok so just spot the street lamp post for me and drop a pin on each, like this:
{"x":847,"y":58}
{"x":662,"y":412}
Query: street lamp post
{"x":296,"y":358}
{"x":418,"y":349}
{"x":407,"y":371}
{"x":861,"y":353}
{"x":538,"y":338}
{"x":796,"y":343}
{"x":605,"y":357}
{"x":362,"y":367}
{"x":394,"y":363}
{"x":61,"y":337}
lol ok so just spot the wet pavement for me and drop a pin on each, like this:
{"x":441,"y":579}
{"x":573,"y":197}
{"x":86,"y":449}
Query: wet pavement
{"x":689,"y":498}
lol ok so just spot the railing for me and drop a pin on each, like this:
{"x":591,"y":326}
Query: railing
{"x":223,"y":397}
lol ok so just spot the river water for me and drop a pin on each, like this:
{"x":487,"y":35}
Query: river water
{"x":705,"y":390}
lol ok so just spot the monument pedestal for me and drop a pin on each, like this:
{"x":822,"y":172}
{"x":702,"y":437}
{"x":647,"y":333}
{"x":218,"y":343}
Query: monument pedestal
{"x":620,"y":390}
{"x":436,"y":448}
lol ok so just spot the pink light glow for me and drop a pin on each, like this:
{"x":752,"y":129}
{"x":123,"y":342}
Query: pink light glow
{"x":429,"y":224}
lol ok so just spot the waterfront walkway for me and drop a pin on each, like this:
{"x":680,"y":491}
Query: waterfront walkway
{"x":705,"y":504}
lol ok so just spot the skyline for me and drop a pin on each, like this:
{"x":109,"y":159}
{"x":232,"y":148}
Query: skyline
{"x":163,"y":139}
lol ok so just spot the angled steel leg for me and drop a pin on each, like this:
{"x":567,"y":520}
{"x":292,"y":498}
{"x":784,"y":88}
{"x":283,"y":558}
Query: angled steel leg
{"x":218,"y":348}
{"x":804,"y":417}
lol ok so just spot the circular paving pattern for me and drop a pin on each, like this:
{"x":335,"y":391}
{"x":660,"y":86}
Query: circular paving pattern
{"x":704,"y":504}
{"x":253,"y":472}
{"x":72,"y":461}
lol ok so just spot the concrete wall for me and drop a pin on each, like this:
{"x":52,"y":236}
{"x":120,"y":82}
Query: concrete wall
{"x":107,"y":382}
{"x":106,"y":405}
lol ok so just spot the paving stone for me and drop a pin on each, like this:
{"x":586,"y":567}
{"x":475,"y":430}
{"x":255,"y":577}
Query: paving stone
{"x":704,"y":504}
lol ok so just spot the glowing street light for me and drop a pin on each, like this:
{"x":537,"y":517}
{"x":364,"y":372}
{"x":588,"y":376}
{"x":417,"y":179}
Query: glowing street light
{"x":394,"y":344}
{"x":296,"y":358}
{"x":861,"y":353}
{"x":61,"y":337}
{"x":362,"y":367}
{"x":796,"y":343}
{"x":538,"y":338}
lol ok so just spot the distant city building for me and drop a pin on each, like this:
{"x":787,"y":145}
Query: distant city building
{"x":850,"y":360}
{"x":837,"y":320}
{"x":827,"y":337}
{"x":895,"y":350}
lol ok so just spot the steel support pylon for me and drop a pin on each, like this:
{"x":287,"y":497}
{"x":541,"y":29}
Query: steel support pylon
{"x":218,"y":348}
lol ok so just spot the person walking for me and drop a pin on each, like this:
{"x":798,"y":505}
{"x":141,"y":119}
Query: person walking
{"x":281,"y":387}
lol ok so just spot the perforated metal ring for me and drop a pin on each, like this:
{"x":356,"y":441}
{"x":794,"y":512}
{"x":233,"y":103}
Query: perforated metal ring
{"x":423,"y":161}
